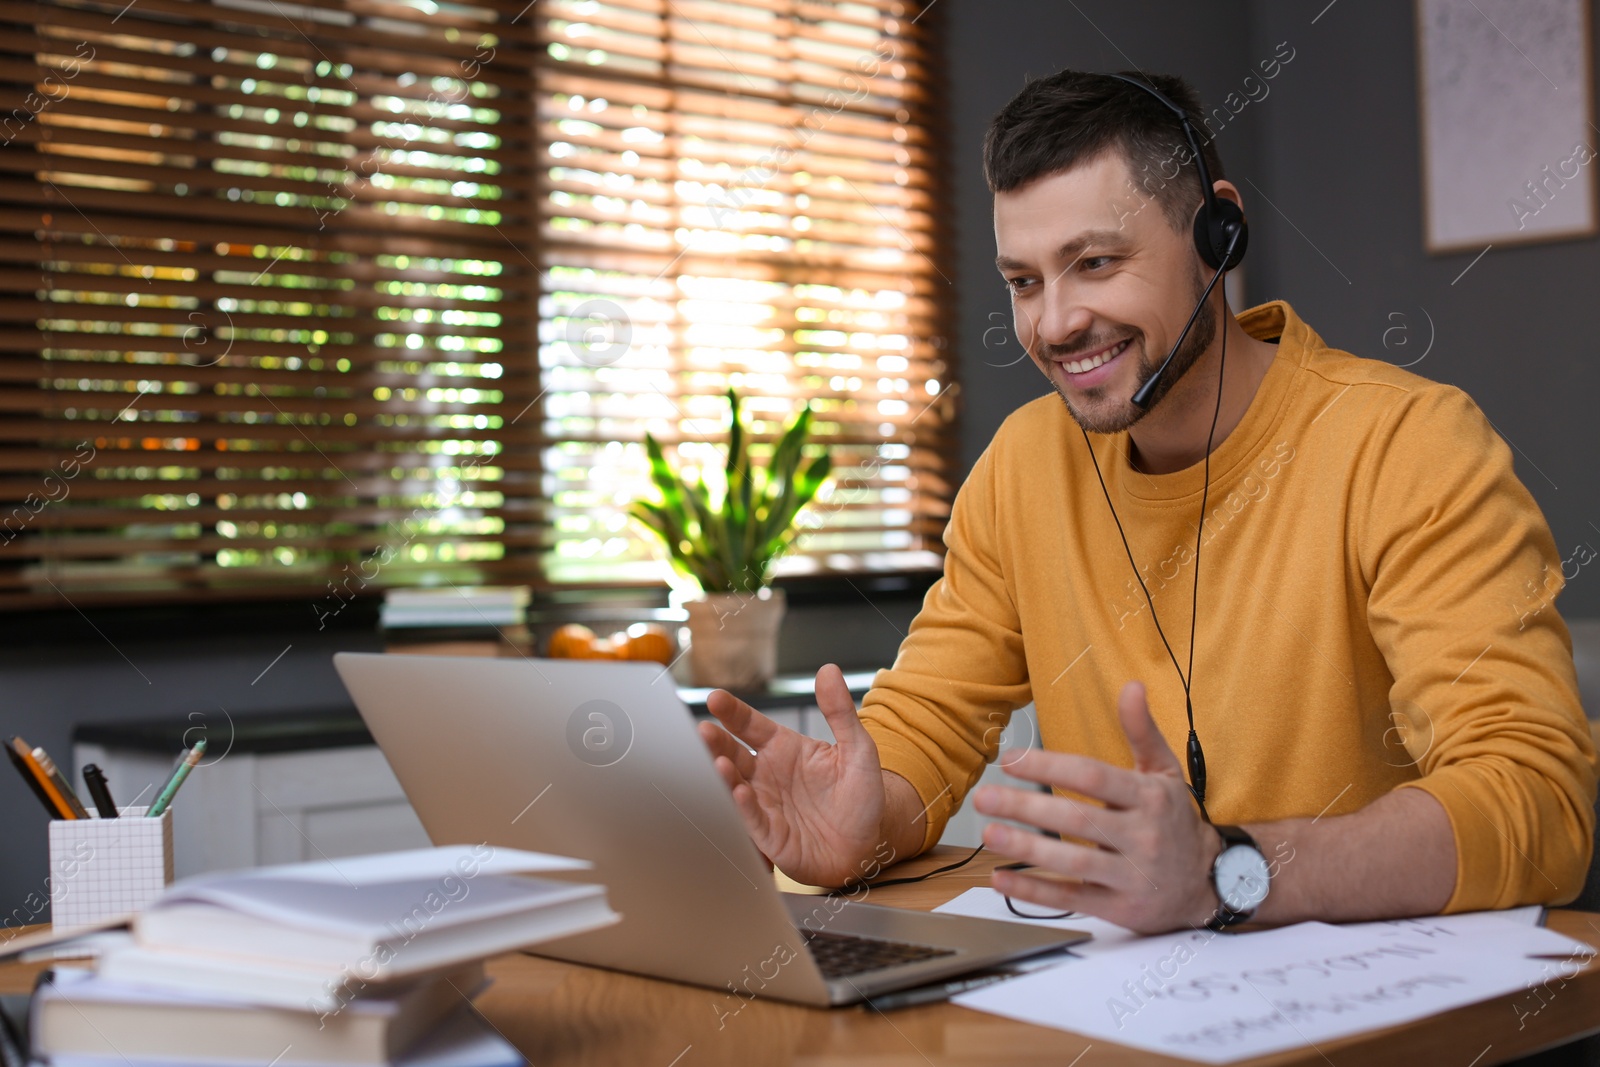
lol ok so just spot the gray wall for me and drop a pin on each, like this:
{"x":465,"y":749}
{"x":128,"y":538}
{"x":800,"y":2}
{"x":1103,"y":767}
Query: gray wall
{"x":1517,"y":332}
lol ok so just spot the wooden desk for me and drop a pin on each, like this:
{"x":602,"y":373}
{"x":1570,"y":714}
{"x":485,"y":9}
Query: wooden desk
{"x":559,"y":1014}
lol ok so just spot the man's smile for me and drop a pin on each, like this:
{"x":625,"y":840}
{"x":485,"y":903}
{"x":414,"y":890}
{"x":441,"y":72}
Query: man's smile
{"x":1099,"y":357}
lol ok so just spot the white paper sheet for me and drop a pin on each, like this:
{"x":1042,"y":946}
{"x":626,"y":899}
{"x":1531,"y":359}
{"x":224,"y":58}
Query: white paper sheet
{"x":1498,"y":931}
{"x":986,"y":903}
{"x":1224,"y":997}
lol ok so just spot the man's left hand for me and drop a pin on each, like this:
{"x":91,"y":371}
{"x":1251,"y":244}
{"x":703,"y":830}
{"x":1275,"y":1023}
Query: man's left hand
{"x":1142,"y":861}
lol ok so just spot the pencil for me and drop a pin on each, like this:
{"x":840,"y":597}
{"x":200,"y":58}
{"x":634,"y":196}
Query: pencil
{"x":28,"y":776}
{"x":57,"y":801}
{"x":48,"y":766}
{"x":168,"y":791}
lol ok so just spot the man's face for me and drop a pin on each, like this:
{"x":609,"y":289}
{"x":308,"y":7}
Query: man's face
{"x":1101,"y":285}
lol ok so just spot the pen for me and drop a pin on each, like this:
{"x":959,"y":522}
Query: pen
{"x":934,"y":994}
{"x":22,"y":756}
{"x":33,"y":783}
{"x":168,"y":791}
{"x":99,"y":791}
{"x":52,"y":772}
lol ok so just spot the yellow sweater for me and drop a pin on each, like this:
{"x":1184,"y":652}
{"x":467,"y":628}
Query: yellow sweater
{"x":1375,"y":611}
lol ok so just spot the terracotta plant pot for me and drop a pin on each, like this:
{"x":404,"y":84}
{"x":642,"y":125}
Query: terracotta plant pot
{"x":733,"y":639}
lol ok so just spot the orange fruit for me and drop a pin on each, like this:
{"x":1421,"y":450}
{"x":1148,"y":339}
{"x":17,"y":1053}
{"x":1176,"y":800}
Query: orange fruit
{"x":651,"y":644}
{"x":613,"y":647}
{"x":571,"y":641}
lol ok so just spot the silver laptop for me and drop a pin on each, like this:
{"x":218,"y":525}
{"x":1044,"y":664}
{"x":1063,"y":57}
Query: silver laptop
{"x":600,"y":760}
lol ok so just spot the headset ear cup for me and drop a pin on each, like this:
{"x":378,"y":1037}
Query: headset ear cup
{"x":1214,"y":225}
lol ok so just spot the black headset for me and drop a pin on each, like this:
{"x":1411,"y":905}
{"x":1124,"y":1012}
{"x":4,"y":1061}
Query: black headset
{"x":1220,"y":233}
{"x":1218,"y":221}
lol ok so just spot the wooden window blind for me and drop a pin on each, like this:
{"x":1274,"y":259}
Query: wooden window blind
{"x":303,"y":297}
{"x":745,"y":194}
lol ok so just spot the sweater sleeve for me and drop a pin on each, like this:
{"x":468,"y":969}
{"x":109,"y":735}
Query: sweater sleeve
{"x":1463,"y":573}
{"x":938,"y":713}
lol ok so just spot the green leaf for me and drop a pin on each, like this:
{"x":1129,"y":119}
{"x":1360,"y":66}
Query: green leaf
{"x":802,"y":490}
{"x":735,"y":437}
{"x":712,"y":547}
{"x":665,"y":478}
{"x":779,"y":486}
{"x":787,"y":455}
{"x":778,"y":512}
{"x":660,"y":521}
{"x":811,"y":481}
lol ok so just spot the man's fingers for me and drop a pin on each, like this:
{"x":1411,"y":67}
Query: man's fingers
{"x":1117,"y":786}
{"x":838,"y":707}
{"x":1059,"y":857}
{"x":1048,"y":812}
{"x":1053,"y":894}
{"x":755,"y":819}
{"x":1150,"y":750}
{"x":722,"y":743}
{"x":730,"y":774}
{"x":743,"y":721}
{"x":834,"y":700}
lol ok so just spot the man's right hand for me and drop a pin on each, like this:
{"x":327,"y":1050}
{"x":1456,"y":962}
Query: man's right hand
{"x":817,"y":811}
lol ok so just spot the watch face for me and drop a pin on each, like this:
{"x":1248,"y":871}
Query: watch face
{"x":1241,"y":876}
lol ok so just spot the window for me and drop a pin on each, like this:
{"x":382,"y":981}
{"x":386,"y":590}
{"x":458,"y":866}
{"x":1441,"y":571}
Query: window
{"x":386,"y":294}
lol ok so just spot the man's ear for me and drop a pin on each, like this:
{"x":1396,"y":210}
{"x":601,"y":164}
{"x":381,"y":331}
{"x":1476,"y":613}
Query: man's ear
{"x":1226,"y":190}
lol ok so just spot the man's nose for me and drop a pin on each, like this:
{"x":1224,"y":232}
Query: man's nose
{"x":1064,"y":315}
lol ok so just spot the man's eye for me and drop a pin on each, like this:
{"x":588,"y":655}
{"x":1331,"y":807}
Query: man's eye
{"x":1095,"y":262}
{"x":1017,"y":285}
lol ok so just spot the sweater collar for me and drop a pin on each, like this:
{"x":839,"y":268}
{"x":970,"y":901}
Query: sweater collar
{"x":1296,"y":341}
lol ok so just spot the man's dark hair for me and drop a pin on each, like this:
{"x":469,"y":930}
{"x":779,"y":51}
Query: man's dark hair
{"x":1071,"y":117}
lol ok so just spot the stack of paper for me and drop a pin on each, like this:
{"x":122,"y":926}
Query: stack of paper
{"x":372,"y":960}
{"x":1223,"y":997}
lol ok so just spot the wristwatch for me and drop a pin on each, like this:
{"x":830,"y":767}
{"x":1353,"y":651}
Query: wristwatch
{"x":1241,"y":877}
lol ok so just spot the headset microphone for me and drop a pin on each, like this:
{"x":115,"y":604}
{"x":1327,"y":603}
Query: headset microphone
{"x":1141,"y":399}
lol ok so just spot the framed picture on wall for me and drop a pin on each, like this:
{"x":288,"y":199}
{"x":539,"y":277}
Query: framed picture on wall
{"x":1508,"y":142}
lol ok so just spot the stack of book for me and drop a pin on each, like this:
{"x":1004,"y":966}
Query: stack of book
{"x":373,"y":961}
{"x":454,"y":607}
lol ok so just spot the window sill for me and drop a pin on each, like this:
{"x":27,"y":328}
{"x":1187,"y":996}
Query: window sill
{"x":360,"y":616}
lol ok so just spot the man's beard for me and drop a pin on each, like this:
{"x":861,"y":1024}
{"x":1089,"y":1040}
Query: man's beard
{"x":1118,"y":418}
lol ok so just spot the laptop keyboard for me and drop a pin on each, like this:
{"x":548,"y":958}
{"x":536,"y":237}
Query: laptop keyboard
{"x":839,"y":955}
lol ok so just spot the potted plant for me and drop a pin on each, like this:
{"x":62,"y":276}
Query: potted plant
{"x":727,"y":542}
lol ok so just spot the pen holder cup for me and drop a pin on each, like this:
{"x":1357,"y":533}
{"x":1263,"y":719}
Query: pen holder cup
{"x":105,"y":869}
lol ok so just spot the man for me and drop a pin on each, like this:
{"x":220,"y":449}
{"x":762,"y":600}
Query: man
{"x":1385,"y":698}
